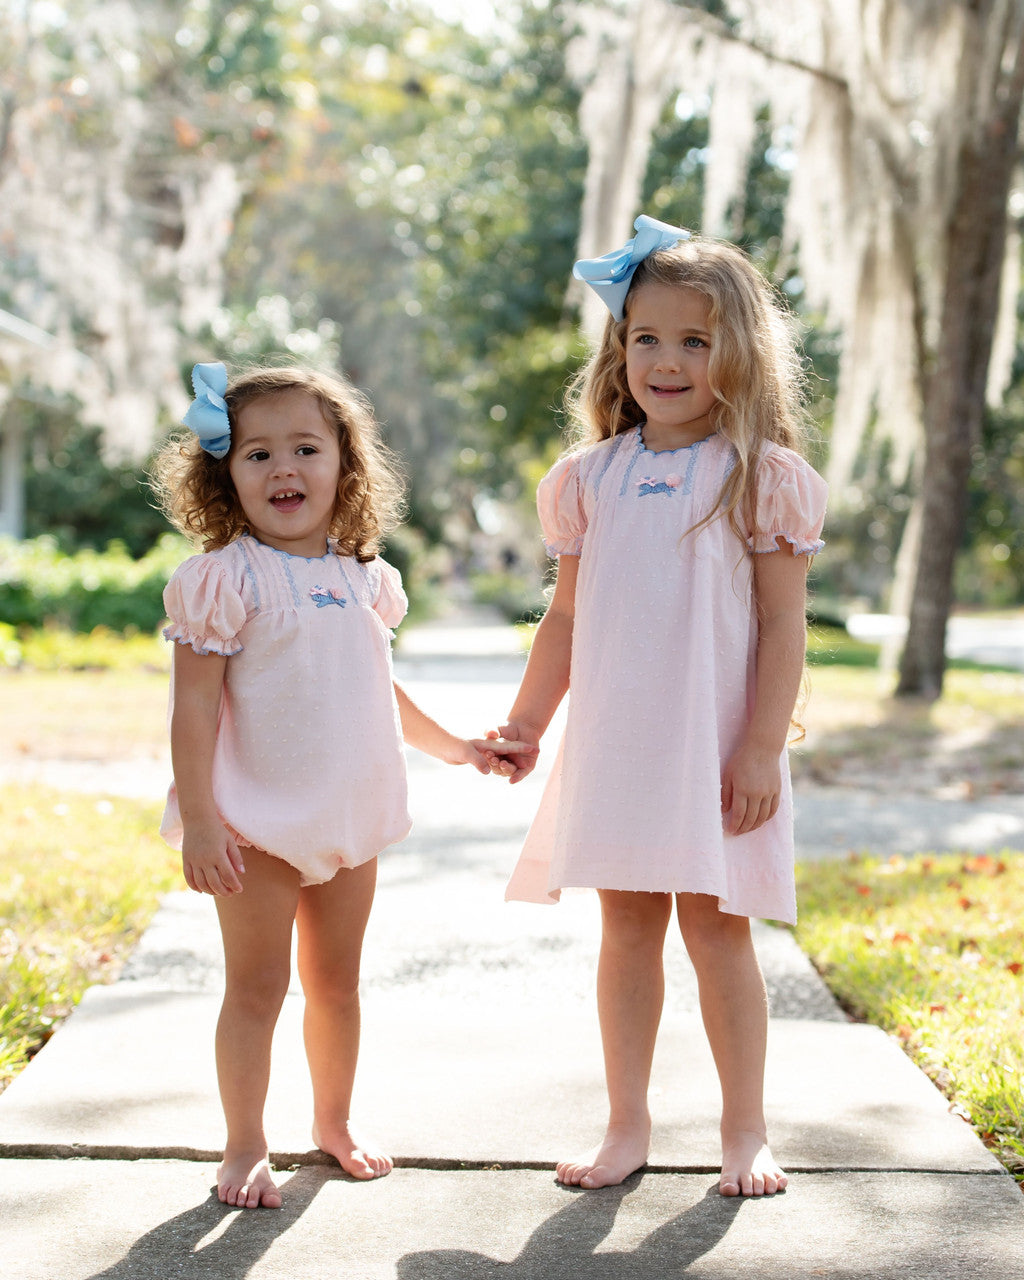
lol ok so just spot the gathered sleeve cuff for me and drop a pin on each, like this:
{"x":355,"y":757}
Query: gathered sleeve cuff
{"x":791,"y":499}
{"x":206,"y":611}
{"x":391,"y":604}
{"x":563,"y":520}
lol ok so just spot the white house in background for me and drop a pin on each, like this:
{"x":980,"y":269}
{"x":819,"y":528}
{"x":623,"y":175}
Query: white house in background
{"x":12,"y":428}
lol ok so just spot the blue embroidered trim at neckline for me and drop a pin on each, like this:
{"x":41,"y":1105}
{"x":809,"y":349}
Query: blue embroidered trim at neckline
{"x":291,"y":554}
{"x":657,"y":453}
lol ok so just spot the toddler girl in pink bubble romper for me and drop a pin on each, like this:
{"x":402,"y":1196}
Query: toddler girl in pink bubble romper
{"x":682,"y":527}
{"x":287,"y":726}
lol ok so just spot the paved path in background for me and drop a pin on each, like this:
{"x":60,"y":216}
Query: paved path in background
{"x":481,"y":1067}
{"x":995,"y":641}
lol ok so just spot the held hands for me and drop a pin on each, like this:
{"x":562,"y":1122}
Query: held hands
{"x":518,"y":748}
{"x":751,"y":788}
{"x":210,"y":859}
{"x":494,"y":754}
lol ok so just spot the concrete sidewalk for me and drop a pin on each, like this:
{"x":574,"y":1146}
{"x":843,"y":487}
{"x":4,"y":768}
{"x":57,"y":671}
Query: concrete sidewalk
{"x":481,"y":1066}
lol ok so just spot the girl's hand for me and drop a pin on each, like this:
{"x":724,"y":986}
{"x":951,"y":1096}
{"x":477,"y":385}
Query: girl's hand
{"x":751,"y":788}
{"x":210,"y":860}
{"x":521,"y":748}
{"x":484,"y":754}
{"x":487,"y":755}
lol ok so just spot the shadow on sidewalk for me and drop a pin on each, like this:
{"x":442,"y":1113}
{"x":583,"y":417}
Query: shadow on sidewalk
{"x":238,"y":1238}
{"x":567,"y":1243}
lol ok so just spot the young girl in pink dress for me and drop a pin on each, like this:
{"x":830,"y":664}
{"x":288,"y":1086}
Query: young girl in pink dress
{"x":682,"y":525}
{"x":287,"y":726}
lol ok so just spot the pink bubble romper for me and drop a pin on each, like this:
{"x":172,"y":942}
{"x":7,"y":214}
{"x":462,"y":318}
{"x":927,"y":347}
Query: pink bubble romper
{"x":664,"y":659}
{"x":309,"y":764}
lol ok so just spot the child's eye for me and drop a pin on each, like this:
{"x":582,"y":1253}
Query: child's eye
{"x":306,"y":450}
{"x":694,"y":341}
{"x":645,"y":339}
{"x":258,"y":455}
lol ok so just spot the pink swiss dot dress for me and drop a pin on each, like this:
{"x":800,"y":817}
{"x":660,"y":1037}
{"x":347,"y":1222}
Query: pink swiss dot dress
{"x":309,"y":764}
{"x":663,"y":674}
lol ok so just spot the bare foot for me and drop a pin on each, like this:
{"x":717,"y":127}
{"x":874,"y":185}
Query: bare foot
{"x":748,"y":1168}
{"x":623,"y":1151}
{"x":244,"y":1181}
{"x":360,"y":1159}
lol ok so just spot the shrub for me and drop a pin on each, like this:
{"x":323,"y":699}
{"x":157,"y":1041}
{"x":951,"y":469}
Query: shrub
{"x":39,"y":586}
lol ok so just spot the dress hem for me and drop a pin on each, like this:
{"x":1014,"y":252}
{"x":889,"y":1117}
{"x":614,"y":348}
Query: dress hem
{"x":552,"y":896}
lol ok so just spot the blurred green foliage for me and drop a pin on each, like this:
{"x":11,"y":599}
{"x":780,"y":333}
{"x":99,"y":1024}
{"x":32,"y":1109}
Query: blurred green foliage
{"x":40,"y":585}
{"x":78,"y":498}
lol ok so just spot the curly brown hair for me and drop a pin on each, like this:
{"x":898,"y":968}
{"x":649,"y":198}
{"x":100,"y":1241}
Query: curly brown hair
{"x":754,"y":369}
{"x":197,"y":494}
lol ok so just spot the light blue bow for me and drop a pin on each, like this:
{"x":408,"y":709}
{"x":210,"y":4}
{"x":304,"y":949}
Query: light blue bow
{"x":208,"y":414}
{"x":609,"y":276}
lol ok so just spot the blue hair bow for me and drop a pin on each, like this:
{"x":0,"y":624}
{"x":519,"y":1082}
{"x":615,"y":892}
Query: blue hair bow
{"x":207,"y":415}
{"x":610,"y":275}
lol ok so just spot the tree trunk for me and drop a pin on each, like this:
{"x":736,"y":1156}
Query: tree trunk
{"x":955,"y":383}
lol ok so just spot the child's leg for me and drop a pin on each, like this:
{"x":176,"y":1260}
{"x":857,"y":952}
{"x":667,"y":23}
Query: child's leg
{"x":630,"y":992}
{"x":735,"y":1011}
{"x":331,"y":921}
{"x":256,"y":925}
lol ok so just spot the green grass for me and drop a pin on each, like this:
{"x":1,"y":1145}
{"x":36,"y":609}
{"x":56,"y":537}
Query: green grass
{"x":931,"y":950}
{"x":965,"y":745}
{"x":834,"y":646}
{"x":80,"y":878}
{"x":82,"y":715}
{"x":58,"y":649}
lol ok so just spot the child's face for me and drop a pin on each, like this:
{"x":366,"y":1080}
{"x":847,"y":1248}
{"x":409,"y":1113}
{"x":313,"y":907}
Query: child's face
{"x":668,"y":343}
{"x":285,"y":464}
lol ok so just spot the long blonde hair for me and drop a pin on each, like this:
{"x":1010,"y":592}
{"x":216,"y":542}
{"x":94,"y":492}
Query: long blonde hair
{"x":197,"y":494}
{"x":754,"y":369}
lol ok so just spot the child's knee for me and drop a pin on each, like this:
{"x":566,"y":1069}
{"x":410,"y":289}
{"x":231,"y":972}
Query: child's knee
{"x":635,"y":918}
{"x":329,"y":986}
{"x":258,"y":992}
{"x":704,"y":926}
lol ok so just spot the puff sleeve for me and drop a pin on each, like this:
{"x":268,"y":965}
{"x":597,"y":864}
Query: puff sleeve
{"x":563,"y":519}
{"x":391,"y":604}
{"x":791,"y":500}
{"x":205,"y":609}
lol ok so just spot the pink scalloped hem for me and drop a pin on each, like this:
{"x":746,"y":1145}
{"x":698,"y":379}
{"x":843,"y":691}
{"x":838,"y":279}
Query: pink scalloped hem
{"x":199,"y":644}
{"x":246,"y":843}
{"x":573,"y":548}
{"x":799,"y":545}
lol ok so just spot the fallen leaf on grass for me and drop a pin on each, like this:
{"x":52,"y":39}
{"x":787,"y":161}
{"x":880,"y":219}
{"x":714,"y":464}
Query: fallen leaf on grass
{"x":985,"y":864}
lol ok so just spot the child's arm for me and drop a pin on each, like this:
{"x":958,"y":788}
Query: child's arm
{"x":752,"y":780}
{"x":420,"y":731}
{"x":546,"y":678}
{"x":209,"y":856}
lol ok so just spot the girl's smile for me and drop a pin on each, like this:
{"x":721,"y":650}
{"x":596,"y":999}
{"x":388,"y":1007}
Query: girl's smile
{"x":285,"y":465}
{"x":289,"y":501}
{"x":668,"y":345}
